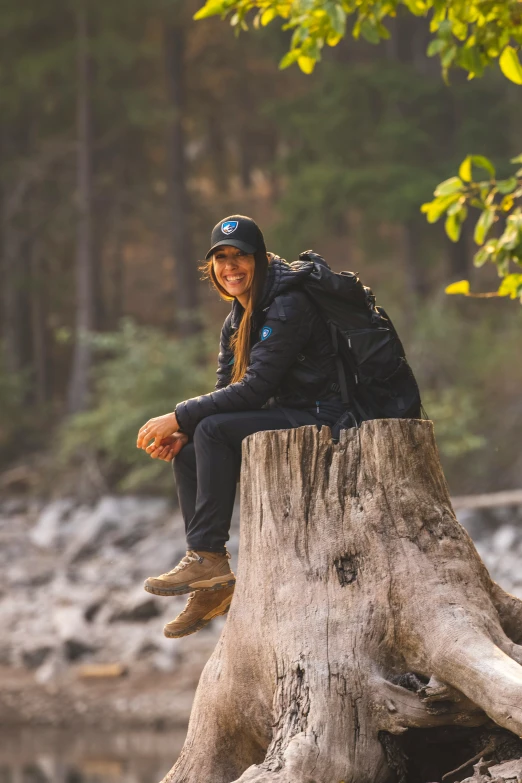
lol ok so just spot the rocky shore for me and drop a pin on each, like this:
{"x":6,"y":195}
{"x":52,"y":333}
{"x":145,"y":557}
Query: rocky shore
{"x":82,"y":642}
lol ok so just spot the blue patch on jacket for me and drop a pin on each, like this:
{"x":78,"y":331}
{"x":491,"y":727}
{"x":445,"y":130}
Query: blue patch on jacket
{"x":265,"y":333}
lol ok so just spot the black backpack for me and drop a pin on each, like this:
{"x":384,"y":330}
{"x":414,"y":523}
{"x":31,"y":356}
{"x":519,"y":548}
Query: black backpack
{"x":375,"y":379}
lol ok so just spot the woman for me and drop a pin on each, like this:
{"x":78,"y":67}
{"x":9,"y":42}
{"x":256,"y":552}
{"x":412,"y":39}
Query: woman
{"x":276,"y":370}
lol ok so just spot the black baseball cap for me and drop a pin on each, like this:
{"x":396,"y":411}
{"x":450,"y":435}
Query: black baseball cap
{"x":238,"y":231}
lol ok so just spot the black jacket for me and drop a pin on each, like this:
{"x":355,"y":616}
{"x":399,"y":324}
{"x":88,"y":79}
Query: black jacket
{"x":291,"y":361}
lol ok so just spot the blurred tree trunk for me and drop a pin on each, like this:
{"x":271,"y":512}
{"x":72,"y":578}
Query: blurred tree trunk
{"x":187,"y":279}
{"x":14,"y":252}
{"x":117,"y":268}
{"x":82,"y":357}
{"x":407,"y":49}
{"x":10,"y":319}
{"x":218,"y":150}
{"x":39,"y":326}
{"x":459,"y":254}
{"x":415,"y":269}
{"x":246,"y":163}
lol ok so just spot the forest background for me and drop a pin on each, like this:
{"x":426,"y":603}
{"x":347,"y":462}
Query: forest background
{"x":126,"y":132}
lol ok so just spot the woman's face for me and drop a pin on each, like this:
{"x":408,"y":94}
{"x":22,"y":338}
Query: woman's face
{"x":234,"y":270}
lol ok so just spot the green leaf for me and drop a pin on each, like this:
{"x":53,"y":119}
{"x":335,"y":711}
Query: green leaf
{"x":484,"y":223}
{"x":435,"y":47}
{"x":453,"y":226}
{"x":462,"y":287}
{"x":505,"y":186}
{"x":501,"y":260}
{"x":267,"y":16}
{"x":484,"y":163}
{"x":481,"y":256}
{"x":332,"y":39}
{"x":511,"y":236}
{"x":511,"y":286}
{"x":518,"y":159}
{"x":458,"y":209}
{"x":416,"y":7}
{"x":510,"y":65}
{"x":369,"y":32}
{"x":211,"y":8}
{"x":469,"y":59}
{"x":507,"y":203}
{"x":448,"y":56}
{"x":338,"y":20}
{"x":434,"y":209}
{"x":465,"y":169}
{"x":289,"y":59}
{"x":306,"y":64}
{"x":451,"y":185}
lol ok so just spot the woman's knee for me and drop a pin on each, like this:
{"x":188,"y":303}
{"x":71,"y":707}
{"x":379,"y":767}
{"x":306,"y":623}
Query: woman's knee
{"x":209,"y":427}
{"x":184,"y":459}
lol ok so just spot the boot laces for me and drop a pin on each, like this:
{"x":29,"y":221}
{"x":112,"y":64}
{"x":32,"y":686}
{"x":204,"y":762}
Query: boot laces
{"x":190,"y":557}
{"x":190,"y":599}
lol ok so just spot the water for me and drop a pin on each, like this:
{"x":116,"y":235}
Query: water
{"x":38,"y":755}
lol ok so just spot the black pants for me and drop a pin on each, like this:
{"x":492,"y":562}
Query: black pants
{"x":207,"y":470}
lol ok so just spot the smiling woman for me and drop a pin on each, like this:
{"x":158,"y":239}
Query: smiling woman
{"x":234,"y":271}
{"x":276,"y":371}
{"x":238,"y":270}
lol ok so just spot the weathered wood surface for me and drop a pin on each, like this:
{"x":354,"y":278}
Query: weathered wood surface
{"x":353,"y":572}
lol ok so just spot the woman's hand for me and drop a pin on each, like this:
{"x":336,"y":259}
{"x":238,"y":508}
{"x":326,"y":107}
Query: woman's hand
{"x":157,"y":428}
{"x":168,"y":448}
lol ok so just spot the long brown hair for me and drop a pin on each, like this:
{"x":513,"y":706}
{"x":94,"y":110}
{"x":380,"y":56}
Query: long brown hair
{"x":241,"y":341}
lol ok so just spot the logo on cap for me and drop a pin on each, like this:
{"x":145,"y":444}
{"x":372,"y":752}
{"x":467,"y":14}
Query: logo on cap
{"x":229,"y":226}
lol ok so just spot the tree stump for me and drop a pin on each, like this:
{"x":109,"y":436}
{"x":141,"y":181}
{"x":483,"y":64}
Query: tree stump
{"x":363,"y":625}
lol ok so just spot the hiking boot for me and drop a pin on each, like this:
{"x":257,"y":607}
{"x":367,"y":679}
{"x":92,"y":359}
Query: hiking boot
{"x":197,"y":571}
{"x":201,"y":608}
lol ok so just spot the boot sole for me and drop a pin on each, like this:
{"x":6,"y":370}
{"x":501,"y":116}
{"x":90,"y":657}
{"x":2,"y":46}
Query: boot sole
{"x":197,"y":626}
{"x":204,"y":586}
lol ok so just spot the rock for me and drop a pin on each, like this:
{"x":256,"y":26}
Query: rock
{"x":69,"y":622}
{"x":53,"y":668}
{"x":130,"y":538}
{"x":143,"y":610}
{"x":71,"y":580}
{"x":122,"y":522}
{"x":34,"y":658}
{"x":18,"y":504}
{"x":72,"y":630}
{"x":75,"y":649}
{"x":46,"y":532}
{"x":504,"y":539}
{"x":92,"y":610}
{"x":89,"y":529}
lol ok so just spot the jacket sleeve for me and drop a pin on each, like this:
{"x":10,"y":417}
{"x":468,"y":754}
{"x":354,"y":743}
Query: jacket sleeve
{"x":284,"y":333}
{"x":226,"y":355}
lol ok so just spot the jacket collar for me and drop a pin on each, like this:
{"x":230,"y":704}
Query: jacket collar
{"x":280,"y":277}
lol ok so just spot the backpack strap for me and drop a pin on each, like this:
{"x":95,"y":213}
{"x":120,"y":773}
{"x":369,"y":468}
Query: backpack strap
{"x":346,"y":421}
{"x":345,"y":395}
{"x":341,"y":372}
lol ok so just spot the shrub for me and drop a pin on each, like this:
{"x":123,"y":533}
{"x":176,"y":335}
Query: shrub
{"x":142,"y":373}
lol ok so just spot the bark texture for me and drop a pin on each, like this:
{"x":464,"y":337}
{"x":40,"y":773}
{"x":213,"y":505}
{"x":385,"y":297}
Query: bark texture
{"x":355,"y":580}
